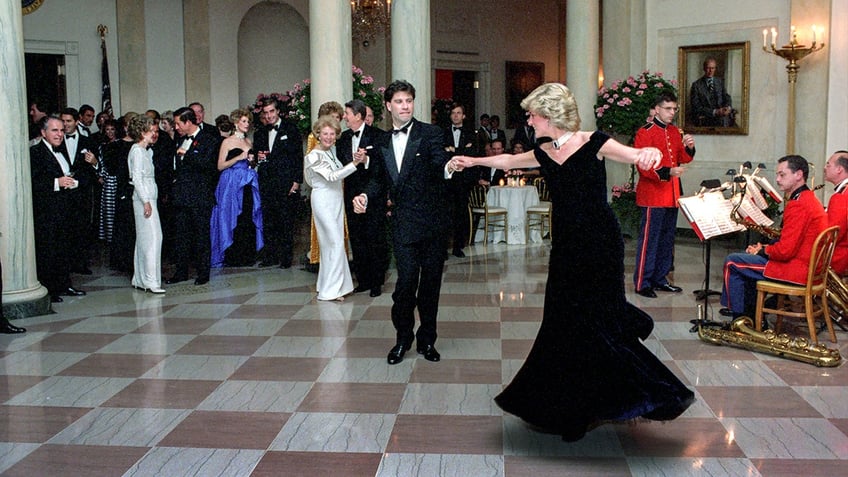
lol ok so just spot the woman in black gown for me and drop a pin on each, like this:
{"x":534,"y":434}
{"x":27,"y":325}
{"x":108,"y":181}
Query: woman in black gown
{"x":587,"y":365}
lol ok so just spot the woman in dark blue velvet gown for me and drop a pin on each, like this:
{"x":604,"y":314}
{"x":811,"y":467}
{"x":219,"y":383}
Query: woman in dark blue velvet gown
{"x":587,"y":365}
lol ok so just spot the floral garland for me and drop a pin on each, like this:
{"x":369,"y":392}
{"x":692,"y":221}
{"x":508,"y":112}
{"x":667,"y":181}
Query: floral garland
{"x":296,"y":105}
{"x":623,"y":107}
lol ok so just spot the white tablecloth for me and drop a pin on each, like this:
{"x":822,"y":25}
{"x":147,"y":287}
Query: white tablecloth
{"x":515,"y":200}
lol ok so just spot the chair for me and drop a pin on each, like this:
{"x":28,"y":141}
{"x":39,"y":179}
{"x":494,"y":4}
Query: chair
{"x":478,"y":207}
{"x":816,"y":286}
{"x":538,"y":215}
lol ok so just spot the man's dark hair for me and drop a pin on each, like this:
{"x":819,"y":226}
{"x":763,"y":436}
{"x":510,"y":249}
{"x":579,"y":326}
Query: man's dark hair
{"x":41,"y":104}
{"x":84,"y":108}
{"x":398,"y":86}
{"x":796,"y":163}
{"x":357,"y":106}
{"x":197,"y":104}
{"x":665,"y":97}
{"x":186,"y":114}
{"x":495,"y":117}
{"x":484,"y":116}
{"x":156,"y":116}
{"x":842,"y":159}
{"x":223,"y":123}
{"x":269,"y":101}
{"x":457,"y":105}
{"x":71,"y":112}
{"x":493,"y":141}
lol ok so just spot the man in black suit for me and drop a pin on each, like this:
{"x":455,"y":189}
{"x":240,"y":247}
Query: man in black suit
{"x":460,"y":140}
{"x":86,"y":120}
{"x":526,"y":135}
{"x":200,"y":114}
{"x":81,"y":151}
{"x":367,"y":231}
{"x":416,"y":167}
{"x":710,"y":103}
{"x":495,"y":132}
{"x":192,"y":195}
{"x":279,"y":148}
{"x":54,"y":183}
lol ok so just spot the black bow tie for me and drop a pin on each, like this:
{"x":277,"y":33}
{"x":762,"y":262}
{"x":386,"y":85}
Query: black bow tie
{"x":56,"y":148}
{"x":275,"y":127}
{"x":357,"y":133}
{"x":71,"y":136}
{"x":401,"y":130}
{"x":457,"y":128}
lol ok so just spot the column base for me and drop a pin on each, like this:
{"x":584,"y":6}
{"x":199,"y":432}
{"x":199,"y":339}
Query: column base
{"x":27,"y":308}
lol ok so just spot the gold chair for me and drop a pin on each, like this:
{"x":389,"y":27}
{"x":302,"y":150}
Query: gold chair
{"x":540,"y":214}
{"x":816,"y":286}
{"x":479,"y":207}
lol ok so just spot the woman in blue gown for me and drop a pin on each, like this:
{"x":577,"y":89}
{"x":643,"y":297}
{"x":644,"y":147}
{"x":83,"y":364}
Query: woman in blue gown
{"x":237,"y":215}
{"x":587,"y":365}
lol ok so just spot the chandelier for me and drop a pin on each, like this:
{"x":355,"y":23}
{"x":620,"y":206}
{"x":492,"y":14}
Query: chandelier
{"x":369,"y":17}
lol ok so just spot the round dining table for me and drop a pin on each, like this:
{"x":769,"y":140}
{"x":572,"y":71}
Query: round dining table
{"x":515,"y":200}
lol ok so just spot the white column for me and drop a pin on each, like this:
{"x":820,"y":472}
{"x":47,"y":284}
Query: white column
{"x":581,"y":44}
{"x":411,"y":51}
{"x":22,"y":294}
{"x":330,"y":53}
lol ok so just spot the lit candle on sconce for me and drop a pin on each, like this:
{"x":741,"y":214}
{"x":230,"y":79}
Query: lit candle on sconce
{"x":814,"y":34}
{"x":765,"y":33}
{"x":792,"y":34}
{"x":773,"y":36}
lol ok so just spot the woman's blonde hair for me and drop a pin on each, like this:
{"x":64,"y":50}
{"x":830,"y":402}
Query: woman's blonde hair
{"x":138,"y":126}
{"x":324,"y":121}
{"x":331,"y":107}
{"x":555,"y":102}
{"x":239,"y":113}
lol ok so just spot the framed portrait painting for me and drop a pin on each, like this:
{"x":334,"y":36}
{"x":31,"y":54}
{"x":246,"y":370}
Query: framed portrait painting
{"x":522,"y":77}
{"x":713,"y":81}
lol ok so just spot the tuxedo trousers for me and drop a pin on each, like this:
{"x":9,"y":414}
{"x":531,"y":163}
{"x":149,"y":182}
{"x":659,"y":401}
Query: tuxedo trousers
{"x":419,"y":282}
{"x":193,"y":242}
{"x":369,"y":247}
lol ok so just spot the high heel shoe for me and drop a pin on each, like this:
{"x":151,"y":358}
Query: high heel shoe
{"x":157,"y":291}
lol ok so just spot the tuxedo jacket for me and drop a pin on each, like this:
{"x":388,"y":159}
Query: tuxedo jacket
{"x":358,"y":181}
{"x":418,"y":190}
{"x":50,"y":207}
{"x":196,"y":170}
{"x":837,"y":214}
{"x":284,"y":164}
{"x":462,"y":181}
{"x":522,"y":135}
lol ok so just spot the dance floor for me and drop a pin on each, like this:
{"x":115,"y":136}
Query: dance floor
{"x":250,"y":375}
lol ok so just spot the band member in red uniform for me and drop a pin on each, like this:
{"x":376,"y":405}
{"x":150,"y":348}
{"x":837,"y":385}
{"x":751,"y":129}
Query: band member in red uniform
{"x":785,"y":260}
{"x":656,"y":195}
{"x":836,"y":172}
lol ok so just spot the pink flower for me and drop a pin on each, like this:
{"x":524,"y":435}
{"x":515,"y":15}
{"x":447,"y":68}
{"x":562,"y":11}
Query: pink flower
{"x":606,"y":106}
{"x":643,"y":86}
{"x":639,"y":93}
{"x":606,"y":95}
{"x":306,"y":81}
{"x":610,"y":100}
{"x":626,"y":89}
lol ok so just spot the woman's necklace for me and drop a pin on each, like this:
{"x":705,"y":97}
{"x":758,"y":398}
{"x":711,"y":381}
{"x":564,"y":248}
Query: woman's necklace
{"x":239,"y":134}
{"x":560,"y":141}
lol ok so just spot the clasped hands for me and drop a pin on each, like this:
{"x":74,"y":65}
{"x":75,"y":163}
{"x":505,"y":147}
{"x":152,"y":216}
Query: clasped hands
{"x":360,"y":156}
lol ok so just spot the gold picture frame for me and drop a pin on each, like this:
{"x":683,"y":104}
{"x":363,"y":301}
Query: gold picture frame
{"x":723,"y":108}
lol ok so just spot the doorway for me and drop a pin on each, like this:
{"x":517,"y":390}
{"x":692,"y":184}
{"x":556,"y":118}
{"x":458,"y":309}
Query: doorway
{"x":45,"y":80}
{"x":458,"y":86}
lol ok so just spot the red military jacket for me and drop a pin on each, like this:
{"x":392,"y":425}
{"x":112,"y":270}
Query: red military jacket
{"x":657,"y":188}
{"x":804,"y":219}
{"x":837,"y":214}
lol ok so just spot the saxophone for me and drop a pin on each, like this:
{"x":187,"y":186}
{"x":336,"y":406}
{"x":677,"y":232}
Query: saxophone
{"x":765,"y":230}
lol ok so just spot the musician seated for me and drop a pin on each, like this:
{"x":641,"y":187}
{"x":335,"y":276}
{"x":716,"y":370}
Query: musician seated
{"x":836,"y":172}
{"x":785,"y":260}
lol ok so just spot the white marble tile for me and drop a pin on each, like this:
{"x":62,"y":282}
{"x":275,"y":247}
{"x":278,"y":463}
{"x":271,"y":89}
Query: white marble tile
{"x":144,"y":343}
{"x":200,"y":310}
{"x":70,"y":391}
{"x":509,"y":368}
{"x":195,"y":462}
{"x":281,"y":298}
{"x":788,"y":438}
{"x":374,"y":329}
{"x":11,"y":453}
{"x":513,"y":330}
{"x":196,"y":367}
{"x":830,"y":401}
{"x":425,"y":465}
{"x":18,"y":342}
{"x":367,"y":370}
{"x":699,"y":408}
{"x":38,"y":363}
{"x":108,"y":324}
{"x":673,"y":331}
{"x":245,"y":327}
{"x":518,"y":300}
{"x":690,"y":466}
{"x":258,"y":396}
{"x":121,"y":427}
{"x":729,"y":373}
{"x":469,"y":313}
{"x":335,"y":432}
{"x":321,"y":310}
{"x":521,"y":440}
{"x":451,"y":399}
{"x":300,"y":347}
{"x":469,"y":348}
{"x":656,"y":347}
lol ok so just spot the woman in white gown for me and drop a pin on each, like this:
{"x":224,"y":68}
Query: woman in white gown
{"x":324,"y":173}
{"x":147,"y":273}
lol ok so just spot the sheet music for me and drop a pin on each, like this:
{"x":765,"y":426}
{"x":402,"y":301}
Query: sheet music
{"x":751,"y":211}
{"x":709,"y":214}
{"x":770,"y":190}
{"x":753,"y":190}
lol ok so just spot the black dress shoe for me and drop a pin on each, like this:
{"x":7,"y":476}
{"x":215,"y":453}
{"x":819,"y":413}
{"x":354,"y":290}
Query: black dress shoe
{"x":396,"y":354}
{"x":175,"y":279}
{"x":10,"y":329}
{"x":360,"y":289}
{"x":668,"y":287}
{"x":201,"y":281}
{"x":647,"y":292}
{"x":285,"y":265}
{"x":458,"y":253}
{"x":70,"y":291}
{"x":726,"y":312}
{"x":56,"y":299}
{"x":430,"y":353}
{"x":376,"y":291}
{"x":82,"y":271}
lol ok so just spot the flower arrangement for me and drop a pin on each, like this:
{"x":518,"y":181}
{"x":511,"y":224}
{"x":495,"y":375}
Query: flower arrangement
{"x":623,"y":204}
{"x":623,"y":107}
{"x":298,"y":108}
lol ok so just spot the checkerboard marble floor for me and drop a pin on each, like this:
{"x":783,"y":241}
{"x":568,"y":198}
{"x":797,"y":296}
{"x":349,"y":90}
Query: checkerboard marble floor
{"x":250,"y":375}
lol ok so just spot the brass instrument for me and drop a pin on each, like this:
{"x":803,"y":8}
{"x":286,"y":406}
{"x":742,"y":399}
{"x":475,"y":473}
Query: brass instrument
{"x":765,"y":230}
{"x":741,"y":334}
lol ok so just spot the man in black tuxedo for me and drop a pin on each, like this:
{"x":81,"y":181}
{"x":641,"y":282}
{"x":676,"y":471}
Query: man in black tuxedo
{"x":193,"y":195}
{"x":495,"y":132}
{"x":83,"y":231}
{"x":54,"y":185}
{"x":460,"y":140}
{"x":526,"y":135}
{"x":367,"y":231}
{"x":279,"y":148}
{"x":86,"y":120}
{"x":416,"y":169}
{"x":200,"y":114}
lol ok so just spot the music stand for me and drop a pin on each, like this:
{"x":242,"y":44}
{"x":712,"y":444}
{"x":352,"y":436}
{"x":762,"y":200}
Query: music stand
{"x":705,"y":293}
